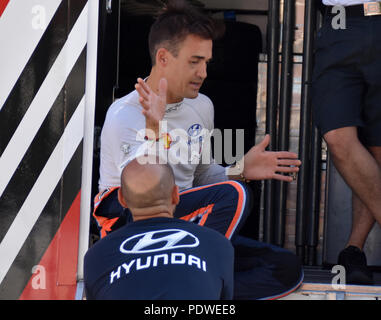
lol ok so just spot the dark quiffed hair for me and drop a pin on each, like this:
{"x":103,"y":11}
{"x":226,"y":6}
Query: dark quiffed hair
{"x":175,"y":22}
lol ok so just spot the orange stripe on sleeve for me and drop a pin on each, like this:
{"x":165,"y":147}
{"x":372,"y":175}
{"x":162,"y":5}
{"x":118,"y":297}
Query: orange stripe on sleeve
{"x":238,"y":212}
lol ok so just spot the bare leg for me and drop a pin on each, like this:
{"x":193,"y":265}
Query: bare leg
{"x":362,"y":173}
{"x":362,"y":223}
{"x":363,"y":219}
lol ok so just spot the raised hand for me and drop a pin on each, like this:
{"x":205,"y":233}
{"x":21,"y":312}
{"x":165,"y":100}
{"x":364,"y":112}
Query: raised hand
{"x":153,"y":104}
{"x":260,"y":164}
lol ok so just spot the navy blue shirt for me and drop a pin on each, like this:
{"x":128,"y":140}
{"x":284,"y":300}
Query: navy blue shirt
{"x":160,"y":258}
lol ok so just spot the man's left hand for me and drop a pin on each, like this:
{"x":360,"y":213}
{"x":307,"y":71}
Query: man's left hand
{"x":260,"y":164}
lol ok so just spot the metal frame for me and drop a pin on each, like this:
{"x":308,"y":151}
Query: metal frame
{"x":88,"y":140}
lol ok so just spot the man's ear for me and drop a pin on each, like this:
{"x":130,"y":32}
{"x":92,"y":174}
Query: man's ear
{"x":162,"y":56}
{"x":120,"y":198}
{"x":175,"y":195}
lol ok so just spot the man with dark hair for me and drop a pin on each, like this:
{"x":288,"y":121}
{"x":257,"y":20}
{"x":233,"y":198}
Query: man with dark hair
{"x":173,"y":26}
{"x":181,"y":43}
{"x":167,"y":115}
{"x":157,"y":257}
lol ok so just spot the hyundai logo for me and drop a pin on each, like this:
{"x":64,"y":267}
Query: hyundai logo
{"x":158,"y":240}
{"x":194,"y":130}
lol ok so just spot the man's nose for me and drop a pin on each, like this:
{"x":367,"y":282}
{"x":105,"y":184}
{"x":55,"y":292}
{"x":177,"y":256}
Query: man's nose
{"x":202,"y":72}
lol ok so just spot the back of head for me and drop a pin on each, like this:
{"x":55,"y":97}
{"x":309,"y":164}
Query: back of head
{"x":147,"y":187}
{"x":175,"y":22}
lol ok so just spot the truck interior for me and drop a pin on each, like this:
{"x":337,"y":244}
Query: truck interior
{"x":258,"y":81}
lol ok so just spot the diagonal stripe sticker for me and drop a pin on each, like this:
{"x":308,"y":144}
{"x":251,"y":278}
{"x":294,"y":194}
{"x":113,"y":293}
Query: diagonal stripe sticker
{"x":42,"y":190}
{"x":43,"y":101}
{"x":25,"y":19}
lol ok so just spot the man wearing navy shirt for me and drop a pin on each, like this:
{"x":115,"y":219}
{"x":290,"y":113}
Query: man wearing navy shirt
{"x":158,"y":256}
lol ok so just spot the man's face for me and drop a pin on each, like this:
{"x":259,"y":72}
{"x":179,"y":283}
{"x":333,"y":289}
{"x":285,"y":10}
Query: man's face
{"x":186,"y":72}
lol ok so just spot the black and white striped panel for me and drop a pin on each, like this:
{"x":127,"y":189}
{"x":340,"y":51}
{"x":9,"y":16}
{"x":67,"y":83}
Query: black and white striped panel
{"x":42,"y":105}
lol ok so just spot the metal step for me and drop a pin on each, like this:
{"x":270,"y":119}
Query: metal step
{"x":318,"y":285}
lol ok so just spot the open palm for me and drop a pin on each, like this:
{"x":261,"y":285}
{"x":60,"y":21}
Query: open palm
{"x":153,"y":104}
{"x":260,"y":164}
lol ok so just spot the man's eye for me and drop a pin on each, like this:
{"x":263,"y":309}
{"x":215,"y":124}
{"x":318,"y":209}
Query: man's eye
{"x":194,"y":62}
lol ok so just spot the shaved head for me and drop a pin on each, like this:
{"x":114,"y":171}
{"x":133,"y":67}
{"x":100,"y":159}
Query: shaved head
{"x":147,"y":187}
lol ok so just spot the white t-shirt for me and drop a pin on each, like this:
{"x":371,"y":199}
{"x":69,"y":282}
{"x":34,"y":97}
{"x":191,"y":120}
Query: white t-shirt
{"x":122,"y":139}
{"x":344,"y":2}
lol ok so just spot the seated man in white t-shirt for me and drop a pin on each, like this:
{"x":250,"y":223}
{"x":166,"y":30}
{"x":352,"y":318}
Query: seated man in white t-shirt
{"x":180,"y":43}
{"x":167,"y":115}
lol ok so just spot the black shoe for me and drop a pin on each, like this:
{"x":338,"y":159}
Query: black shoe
{"x":354,"y":262}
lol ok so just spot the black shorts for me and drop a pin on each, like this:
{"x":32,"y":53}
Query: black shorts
{"x":346,"y":88}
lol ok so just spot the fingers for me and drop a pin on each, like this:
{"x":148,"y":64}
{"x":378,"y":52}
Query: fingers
{"x":146,"y":94}
{"x":141,"y":83}
{"x":144,"y":103}
{"x":285,"y":155}
{"x":163,"y":85}
{"x":287,"y":169}
{"x":143,"y":90}
{"x":288,"y":162}
{"x":281,"y":177}
{"x":142,"y":93}
{"x":265,"y":142}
